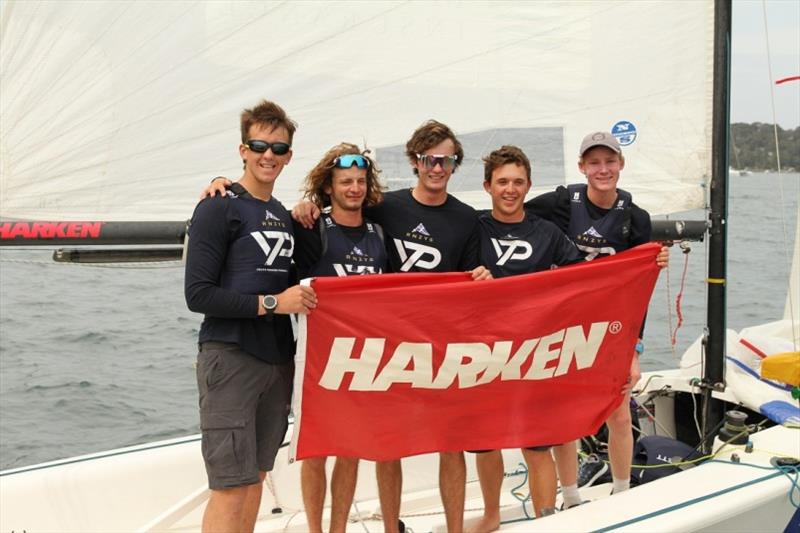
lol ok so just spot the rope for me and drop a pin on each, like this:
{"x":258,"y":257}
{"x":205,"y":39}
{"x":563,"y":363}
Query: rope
{"x":521,"y":470}
{"x":286,"y":527}
{"x":358,"y":519}
{"x":271,"y":487}
{"x":679,"y":298}
{"x":521,"y":497}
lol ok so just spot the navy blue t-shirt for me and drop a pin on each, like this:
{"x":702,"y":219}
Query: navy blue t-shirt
{"x":423,"y":238}
{"x":531,"y":245}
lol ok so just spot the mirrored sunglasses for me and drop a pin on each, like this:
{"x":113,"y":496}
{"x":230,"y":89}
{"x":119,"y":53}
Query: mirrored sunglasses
{"x":447,"y":162}
{"x":347,"y":161}
{"x":263,"y":146}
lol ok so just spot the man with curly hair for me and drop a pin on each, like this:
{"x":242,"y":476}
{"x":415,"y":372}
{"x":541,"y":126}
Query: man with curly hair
{"x":341,"y":243}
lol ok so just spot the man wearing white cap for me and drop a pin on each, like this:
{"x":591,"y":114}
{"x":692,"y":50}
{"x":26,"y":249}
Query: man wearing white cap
{"x":602,"y":220}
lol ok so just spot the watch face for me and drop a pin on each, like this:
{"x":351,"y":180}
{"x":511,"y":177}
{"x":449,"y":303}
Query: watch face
{"x":270,"y":302}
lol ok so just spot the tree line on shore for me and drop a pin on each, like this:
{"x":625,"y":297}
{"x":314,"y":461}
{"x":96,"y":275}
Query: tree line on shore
{"x":753,"y":147}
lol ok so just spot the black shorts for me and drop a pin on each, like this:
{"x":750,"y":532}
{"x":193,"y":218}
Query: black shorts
{"x":244,"y":408}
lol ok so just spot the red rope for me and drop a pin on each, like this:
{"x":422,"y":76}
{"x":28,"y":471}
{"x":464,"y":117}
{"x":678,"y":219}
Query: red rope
{"x":678,"y":299}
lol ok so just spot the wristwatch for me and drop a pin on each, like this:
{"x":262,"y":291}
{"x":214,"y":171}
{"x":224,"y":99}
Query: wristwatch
{"x":639,"y":348}
{"x":269,"y":303}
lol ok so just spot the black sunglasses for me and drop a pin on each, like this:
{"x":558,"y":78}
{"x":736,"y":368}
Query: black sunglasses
{"x":262,"y":146}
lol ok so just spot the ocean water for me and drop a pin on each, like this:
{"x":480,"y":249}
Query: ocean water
{"x":94,"y":358}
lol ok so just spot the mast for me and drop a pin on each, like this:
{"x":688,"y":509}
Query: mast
{"x":714,"y":356}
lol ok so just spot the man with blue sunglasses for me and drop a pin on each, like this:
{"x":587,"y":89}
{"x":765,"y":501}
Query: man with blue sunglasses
{"x":341,"y":243}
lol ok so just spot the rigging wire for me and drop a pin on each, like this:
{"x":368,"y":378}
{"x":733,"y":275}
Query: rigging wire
{"x":782,"y":196}
{"x":652,"y":416}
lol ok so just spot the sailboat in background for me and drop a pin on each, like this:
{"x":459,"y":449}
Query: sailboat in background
{"x":112,"y":112}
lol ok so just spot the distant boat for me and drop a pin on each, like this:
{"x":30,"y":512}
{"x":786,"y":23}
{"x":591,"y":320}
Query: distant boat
{"x":743,"y":172}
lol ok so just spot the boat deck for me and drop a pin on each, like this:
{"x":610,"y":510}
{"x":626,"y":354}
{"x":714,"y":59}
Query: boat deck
{"x":163,"y":488}
{"x":716,"y":495}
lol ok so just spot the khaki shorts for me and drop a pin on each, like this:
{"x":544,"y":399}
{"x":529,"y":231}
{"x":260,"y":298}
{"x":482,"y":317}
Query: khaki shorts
{"x":244,"y":405}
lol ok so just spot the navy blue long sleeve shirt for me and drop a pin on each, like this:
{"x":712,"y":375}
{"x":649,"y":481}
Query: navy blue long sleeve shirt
{"x":239,"y":248}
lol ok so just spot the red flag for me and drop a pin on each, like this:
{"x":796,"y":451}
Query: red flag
{"x":401,"y":364}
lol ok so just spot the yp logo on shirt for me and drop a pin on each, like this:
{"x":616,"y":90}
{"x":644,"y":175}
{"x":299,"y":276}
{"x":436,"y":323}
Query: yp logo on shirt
{"x":511,"y":250}
{"x":416,"y":255}
{"x":274,"y":244}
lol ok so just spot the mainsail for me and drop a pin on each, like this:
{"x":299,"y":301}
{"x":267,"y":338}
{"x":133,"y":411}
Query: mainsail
{"x":124,"y":110}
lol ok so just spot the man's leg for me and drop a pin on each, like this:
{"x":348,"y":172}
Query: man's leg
{"x":343,"y":486}
{"x":452,"y":484}
{"x":542,"y":479}
{"x":271,"y":421}
{"x":490,"y":474}
{"x":620,"y":445}
{"x":390,"y":486}
{"x":313,"y":483}
{"x":225,"y":510}
{"x":252,"y":503}
{"x":566,"y":456}
{"x":229,"y":382}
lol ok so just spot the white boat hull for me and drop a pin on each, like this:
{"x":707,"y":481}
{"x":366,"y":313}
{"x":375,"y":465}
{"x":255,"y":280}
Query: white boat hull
{"x":162,"y":487}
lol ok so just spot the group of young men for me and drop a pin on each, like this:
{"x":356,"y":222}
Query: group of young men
{"x":242,"y":249}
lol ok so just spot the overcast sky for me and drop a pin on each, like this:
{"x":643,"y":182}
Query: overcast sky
{"x":750,"y":98}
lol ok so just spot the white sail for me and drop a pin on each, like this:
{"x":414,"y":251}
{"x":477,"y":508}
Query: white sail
{"x":124,"y":110}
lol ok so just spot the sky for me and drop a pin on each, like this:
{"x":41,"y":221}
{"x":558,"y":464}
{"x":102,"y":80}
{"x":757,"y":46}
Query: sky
{"x":750,"y":85}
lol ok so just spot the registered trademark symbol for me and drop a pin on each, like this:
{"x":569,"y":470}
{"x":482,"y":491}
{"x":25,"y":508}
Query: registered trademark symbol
{"x":615,"y":327}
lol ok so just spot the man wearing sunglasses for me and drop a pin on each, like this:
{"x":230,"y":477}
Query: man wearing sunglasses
{"x":428,"y":230}
{"x":342,"y":243}
{"x":237,"y":275}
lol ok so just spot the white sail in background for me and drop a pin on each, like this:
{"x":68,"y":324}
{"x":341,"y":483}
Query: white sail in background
{"x":124,"y":110}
